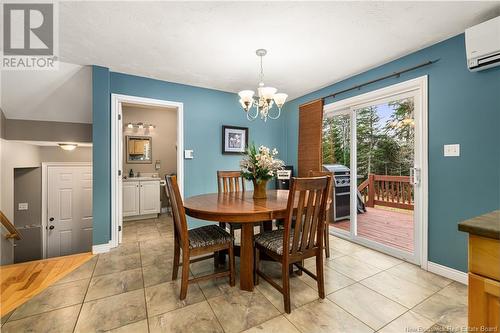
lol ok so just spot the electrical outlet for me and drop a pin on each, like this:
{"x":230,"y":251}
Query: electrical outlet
{"x":22,"y":206}
{"x":188,"y":154}
{"x":452,"y":150}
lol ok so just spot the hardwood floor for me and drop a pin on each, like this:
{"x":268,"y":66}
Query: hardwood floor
{"x":21,"y":282}
{"x":386,"y":226}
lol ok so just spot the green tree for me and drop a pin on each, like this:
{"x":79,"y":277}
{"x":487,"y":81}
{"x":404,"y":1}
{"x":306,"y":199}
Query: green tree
{"x":386,"y":156}
{"x":336,"y":140}
{"x":401,"y":127}
{"x":367,"y":133}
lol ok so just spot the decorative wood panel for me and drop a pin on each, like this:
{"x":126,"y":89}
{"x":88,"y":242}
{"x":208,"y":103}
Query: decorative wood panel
{"x":484,"y":304}
{"x":484,"y":256}
{"x":310,"y":133}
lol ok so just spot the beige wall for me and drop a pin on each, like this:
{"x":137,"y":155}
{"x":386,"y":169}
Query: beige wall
{"x":2,"y":124}
{"x":164,"y":138}
{"x":13,"y":155}
{"x":56,"y":154}
{"x":56,"y":131}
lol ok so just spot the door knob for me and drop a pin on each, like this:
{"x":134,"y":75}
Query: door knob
{"x":51,"y":219}
{"x":51,"y":227}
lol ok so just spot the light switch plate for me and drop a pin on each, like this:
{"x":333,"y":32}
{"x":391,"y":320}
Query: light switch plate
{"x":22,"y":206}
{"x":188,"y":154}
{"x":452,"y":150}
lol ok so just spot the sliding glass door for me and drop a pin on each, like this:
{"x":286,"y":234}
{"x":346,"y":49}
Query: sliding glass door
{"x":380,"y":142}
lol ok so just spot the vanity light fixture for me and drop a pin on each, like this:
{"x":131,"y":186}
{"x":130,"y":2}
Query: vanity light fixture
{"x":68,"y":146}
{"x":140,"y":125}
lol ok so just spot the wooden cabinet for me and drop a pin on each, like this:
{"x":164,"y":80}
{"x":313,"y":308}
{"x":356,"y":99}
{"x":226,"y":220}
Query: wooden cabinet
{"x":484,"y":303}
{"x":141,"y":199}
{"x":484,"y":284}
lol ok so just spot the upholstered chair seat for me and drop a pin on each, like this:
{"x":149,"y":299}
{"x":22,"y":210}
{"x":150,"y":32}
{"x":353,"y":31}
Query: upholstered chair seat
{"x":207,"y":236}
{"x":272,"y":240}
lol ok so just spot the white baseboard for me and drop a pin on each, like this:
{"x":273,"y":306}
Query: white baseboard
{"x":448,"y":272}
{"x":101,"y":248}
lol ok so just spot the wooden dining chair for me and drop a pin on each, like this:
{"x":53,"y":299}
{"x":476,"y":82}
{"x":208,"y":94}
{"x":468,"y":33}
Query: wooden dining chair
{"x":196,"y":242}
{"x":291,"y":246}
{"x":230,"y":181}
{"x":328,"y":207}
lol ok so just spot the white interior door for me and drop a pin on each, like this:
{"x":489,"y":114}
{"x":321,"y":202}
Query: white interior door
{"x":69,"y":210}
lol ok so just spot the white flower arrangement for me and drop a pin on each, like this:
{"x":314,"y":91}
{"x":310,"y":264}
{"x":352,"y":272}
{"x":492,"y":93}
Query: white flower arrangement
{"x":260,"y":164}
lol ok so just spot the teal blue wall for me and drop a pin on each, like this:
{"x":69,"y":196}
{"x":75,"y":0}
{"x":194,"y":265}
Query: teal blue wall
{"x":464,"y":108}
{"x":205,"y":111}
{"x":101,"y":138}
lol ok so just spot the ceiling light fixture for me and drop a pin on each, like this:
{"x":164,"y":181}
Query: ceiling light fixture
{"x":267,"y":97}
{"x":130,"y":125}
{"x":68,"y":146}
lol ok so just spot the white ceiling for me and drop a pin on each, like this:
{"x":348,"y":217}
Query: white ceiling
{"x":62,"y":95}
{"x":212,"y":44}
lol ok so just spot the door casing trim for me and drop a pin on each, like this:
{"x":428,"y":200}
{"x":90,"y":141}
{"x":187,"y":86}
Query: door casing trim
{"x":116,"y":162}
{"x":45,"y":188}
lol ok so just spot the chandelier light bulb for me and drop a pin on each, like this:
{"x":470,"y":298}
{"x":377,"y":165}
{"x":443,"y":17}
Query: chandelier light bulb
{"x":280,"y":99}
{"x":246,"y":95}
{"x":268,"y":92}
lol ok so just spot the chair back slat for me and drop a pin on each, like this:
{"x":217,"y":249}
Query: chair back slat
{"x":297,"y":229}
{"x":178,"y":212}
{"x":230,"y":181}
{"x":325,"y":174}
{"x":308,"y":219}
{"x":312,"y":195}
{"x":314,"y":232}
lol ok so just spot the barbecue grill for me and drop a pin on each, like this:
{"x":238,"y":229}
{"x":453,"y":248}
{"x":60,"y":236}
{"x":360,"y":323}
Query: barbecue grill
{"x":341,"y":204}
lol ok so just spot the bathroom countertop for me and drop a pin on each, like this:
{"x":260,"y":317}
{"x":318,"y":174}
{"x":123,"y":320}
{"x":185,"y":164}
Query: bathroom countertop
{"x":142,"y":179}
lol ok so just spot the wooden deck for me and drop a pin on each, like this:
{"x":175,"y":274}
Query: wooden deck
{"x":392,"y":227}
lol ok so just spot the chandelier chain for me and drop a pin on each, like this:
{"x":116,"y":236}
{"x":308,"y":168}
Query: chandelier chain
{"x":261,"y":70}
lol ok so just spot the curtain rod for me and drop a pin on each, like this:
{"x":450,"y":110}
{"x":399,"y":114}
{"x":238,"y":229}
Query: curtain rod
{"x":395,"y":74}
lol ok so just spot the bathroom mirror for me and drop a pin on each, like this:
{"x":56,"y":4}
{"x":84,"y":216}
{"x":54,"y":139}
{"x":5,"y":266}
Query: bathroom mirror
{"x":139,"y":149}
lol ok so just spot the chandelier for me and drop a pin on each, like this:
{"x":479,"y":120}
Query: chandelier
{"x":266,"y":99}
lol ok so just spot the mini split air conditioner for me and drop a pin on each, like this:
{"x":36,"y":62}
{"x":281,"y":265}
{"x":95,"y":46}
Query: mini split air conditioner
{"x":482,"y":44}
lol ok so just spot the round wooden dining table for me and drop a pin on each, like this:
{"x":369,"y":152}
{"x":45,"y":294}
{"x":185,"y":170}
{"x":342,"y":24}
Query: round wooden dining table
{"x":241,"y":208}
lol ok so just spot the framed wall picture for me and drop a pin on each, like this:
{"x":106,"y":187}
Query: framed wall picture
{"x":234,"y":139}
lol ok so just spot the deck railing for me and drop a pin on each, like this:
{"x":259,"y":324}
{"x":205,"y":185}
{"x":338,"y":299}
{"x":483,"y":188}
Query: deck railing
{"x":389,"y":191}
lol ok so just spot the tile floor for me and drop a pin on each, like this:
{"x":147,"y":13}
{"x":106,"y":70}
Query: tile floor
{"x":130,"y":290}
